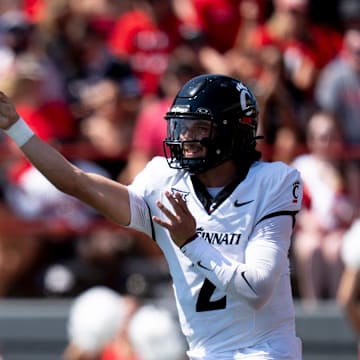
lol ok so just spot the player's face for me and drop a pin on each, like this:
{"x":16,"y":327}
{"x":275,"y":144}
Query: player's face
{"x":190,"y":133}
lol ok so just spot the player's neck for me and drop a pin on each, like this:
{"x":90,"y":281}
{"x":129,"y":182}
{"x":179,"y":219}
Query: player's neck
{"x":221,"y":175}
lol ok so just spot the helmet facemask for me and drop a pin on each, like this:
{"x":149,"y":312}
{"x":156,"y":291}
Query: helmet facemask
{"x":202,"y":151}
{"x":187,"y":143}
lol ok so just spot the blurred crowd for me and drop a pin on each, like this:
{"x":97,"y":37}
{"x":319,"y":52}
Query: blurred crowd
{"x":104,"y":325}
{"x":95,"y":77}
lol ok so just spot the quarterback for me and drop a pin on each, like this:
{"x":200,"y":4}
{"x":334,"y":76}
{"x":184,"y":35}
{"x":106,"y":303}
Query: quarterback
{"x":222,"y":217}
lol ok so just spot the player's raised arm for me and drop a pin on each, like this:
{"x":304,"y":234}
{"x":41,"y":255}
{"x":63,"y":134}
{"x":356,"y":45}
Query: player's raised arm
{"x":108,"y":197}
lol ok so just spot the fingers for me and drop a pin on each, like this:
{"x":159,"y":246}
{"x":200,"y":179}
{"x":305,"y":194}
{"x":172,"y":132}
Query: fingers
{"x":8,"y":114}
{"x":177,"y":202}
{"x":181,"y":203}
{"x":166,"y":211}
{"x":180,"y":223}
{"x":179,"y":206}
{"x":161,"y":222}
{"x":3,"y":98}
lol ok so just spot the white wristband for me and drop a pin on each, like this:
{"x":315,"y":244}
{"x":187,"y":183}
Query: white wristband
{"x":20,"y":132}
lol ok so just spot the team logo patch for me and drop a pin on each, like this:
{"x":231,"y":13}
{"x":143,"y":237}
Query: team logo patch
{"x":184,"y":194}
{"x":295,"y":191}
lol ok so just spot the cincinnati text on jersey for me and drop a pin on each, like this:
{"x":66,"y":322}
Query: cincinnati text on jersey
{"x":219,"y":238}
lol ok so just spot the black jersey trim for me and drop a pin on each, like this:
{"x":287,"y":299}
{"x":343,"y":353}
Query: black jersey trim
{"x":280,"y":213}
{"x":210,"y":203}
{"x":247,"y":282}
{"x":152,"y":224}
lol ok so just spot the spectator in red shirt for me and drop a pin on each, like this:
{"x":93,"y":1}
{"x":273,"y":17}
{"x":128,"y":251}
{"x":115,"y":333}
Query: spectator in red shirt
{"x":51,"y":117}
{"x":223,"y":20}
{"x":33,"y":8}
{"x":146,"y":36}
{"x":307,"y":47}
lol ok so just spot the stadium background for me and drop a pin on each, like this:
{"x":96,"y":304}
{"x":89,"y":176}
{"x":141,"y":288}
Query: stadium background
{"x":33,"y":323}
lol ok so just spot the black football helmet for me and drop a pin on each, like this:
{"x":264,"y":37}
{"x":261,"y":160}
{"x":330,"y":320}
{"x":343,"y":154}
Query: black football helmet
{"x":233,"y":112}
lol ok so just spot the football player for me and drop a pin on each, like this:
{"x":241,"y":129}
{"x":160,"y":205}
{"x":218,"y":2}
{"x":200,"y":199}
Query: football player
{"x":222,"y":217}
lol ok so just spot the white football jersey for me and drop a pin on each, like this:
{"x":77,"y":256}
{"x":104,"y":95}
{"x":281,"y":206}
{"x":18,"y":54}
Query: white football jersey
{"x":217,"y":323}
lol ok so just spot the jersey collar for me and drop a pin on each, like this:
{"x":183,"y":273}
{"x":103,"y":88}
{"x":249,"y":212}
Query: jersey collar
{"x":212,"y":203}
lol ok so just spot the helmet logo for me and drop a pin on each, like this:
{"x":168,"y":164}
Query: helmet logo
{"x":246,"y":99}
{"x":203,"y":111}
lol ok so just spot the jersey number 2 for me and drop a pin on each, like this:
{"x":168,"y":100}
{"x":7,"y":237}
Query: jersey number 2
{"x":203,"y":302}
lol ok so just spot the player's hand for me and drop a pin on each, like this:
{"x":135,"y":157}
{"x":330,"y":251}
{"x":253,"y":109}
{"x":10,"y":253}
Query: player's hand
{"x":8,"y":114}
{"x":181,"y":223}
